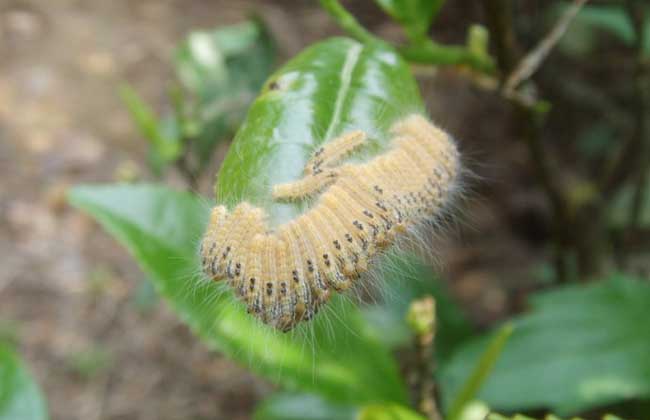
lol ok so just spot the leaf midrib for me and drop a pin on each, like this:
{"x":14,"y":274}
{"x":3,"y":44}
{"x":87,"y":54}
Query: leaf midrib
{"x":349,"y":65}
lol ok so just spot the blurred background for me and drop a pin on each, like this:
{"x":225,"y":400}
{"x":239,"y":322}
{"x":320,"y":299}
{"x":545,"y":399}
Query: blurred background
{"x":75,"y":78}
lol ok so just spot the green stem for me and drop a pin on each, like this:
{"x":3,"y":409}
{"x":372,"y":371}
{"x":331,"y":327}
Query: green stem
{"x":424,"y":51}
{"x":348,"y":22}
{"x":479,"y":374}
{"x":430,"y":52}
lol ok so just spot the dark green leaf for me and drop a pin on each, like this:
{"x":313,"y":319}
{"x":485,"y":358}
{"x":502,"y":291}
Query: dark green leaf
{"x":580,"y":347}
{"x":312,"y":407}
{"x":230,"y":58}
{"x":334,"y":356}
{"x":582,"y":36}
{"x":415,"y":16}
{"x":388,"y":412}
{"x":596,"y":140}
{"x":303,"y":407}
{"x":495,"y":416}
{"x":20,"y":397}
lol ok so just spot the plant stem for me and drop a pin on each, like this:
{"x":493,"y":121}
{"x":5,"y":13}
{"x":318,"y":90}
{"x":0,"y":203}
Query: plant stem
{"x":480,"y":373}
{"x":348,"y":22}
{"x":424,"y":51}
{"x":430,"y":52}
{"x":421,"y":318}
{"x":500,"y":21}
{"x":533,"y":60}
{"x":637,"y":12}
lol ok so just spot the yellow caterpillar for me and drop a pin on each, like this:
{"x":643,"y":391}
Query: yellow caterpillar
{"x":284,"y":275}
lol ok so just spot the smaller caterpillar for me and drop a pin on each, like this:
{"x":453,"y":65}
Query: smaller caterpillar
{"x":285,"y":275}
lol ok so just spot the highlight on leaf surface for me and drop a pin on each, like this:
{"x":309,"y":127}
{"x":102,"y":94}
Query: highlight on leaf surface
{"x":284,"y":243}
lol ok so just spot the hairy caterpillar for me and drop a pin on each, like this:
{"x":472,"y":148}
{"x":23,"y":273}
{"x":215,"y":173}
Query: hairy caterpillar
{"x":286,"y":274}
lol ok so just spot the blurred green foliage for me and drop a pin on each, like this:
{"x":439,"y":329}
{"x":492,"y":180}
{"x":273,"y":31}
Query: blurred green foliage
{"x":594,"y":21}
{"x":312,"y":407}
{"x":580,"y":347}
{"x":20,"y":397}
{"x":285,"y":406}
{"x":89,"y":362}
{"x":495,"y":416}
{"x":219,"y":73}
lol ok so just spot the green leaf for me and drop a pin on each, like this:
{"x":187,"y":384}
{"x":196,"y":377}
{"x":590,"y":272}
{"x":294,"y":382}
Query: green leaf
{"x":313,"y":407}
{"x":227,"y":59}
{"x":332,"y":87}
{"x":580,"y":347}
{"x":163,"y":136}
{"x":303,"y":407}
{"x":223,"y":70}
{"x":334,"y":355}
{"x":495,"y":416}
{"x":596,"y":140}
{"x":582,"y":35}
{"x":388,"y":412}
{"x":415,"y":16}
{"x":20,"y":397}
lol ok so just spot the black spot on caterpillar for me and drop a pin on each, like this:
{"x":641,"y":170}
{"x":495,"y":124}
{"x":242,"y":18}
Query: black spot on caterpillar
{"x":362,"y":209}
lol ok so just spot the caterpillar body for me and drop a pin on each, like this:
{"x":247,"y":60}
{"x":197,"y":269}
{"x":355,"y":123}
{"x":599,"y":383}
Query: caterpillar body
{"x":284,"y":275}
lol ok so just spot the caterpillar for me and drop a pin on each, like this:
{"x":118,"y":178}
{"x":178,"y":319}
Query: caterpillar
{"x":285,"y":274}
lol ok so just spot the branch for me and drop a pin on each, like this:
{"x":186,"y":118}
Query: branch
{"x":533,"y":60}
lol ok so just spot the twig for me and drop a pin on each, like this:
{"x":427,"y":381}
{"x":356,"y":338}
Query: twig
{"x":533,"y":60}
{"x":532,"y":113}
{"x":531,"y":109}
{"x":184,"y":167}
{"x":421,"y":318}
